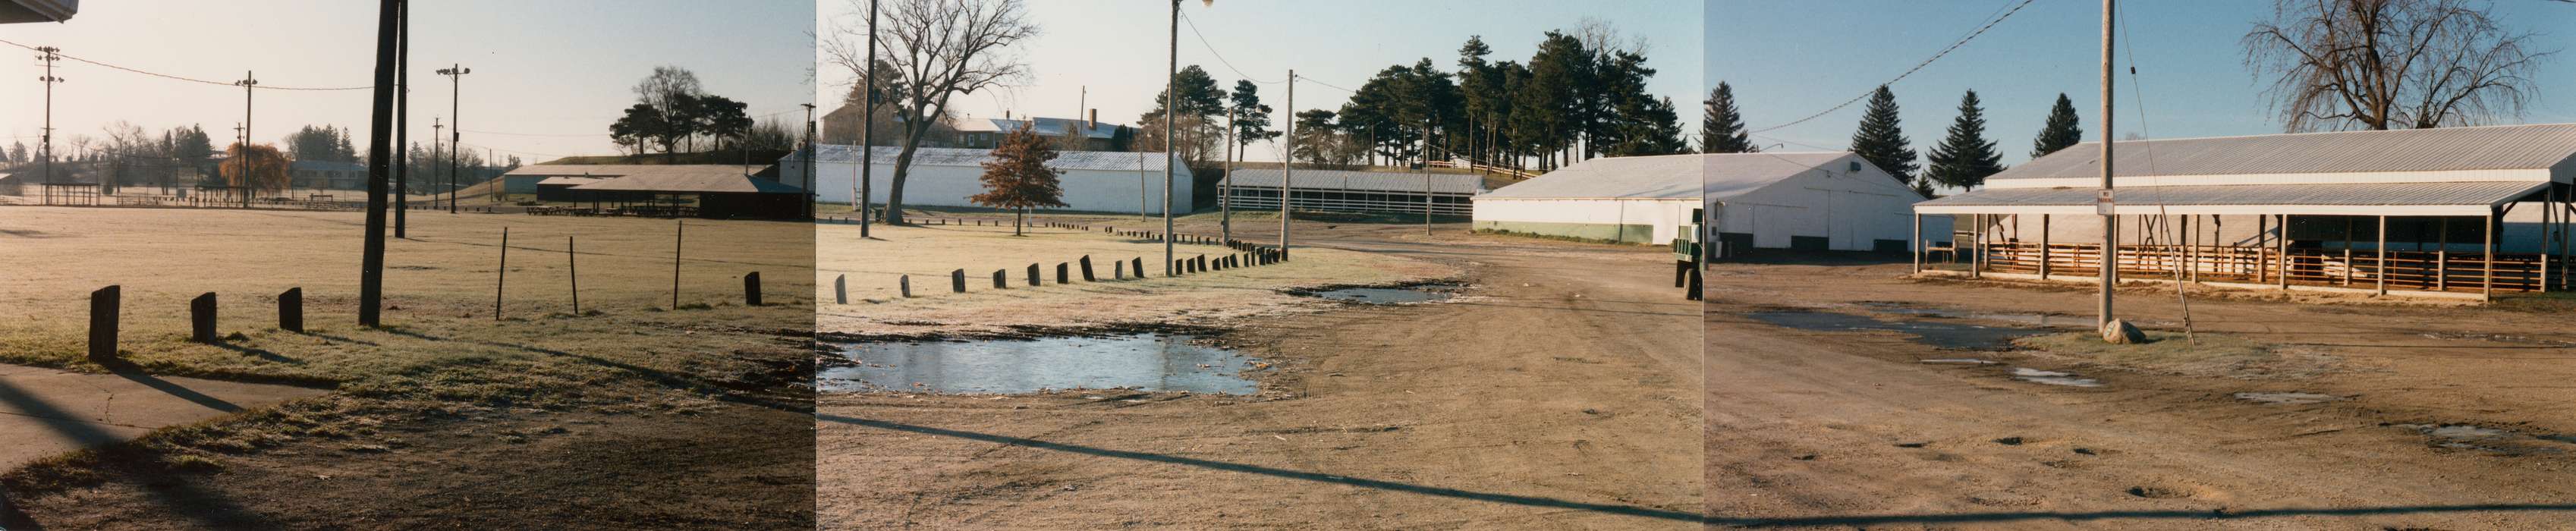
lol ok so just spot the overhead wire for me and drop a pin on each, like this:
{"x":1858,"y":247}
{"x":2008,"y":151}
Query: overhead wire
{"x":1954,"y":45}
{"x":262,"y":86}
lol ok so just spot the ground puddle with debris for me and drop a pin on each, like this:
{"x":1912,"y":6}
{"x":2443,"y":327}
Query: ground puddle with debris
{"x":1939,"y":334}
{"x":2053,"y":378}
{"x":2491,"y":440}
{"x":1146,"y":361}
{"x":2287,"y":399}
{"x":1425,"y":293}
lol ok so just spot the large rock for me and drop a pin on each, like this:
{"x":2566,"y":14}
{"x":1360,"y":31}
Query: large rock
{"x":2120,"y":332}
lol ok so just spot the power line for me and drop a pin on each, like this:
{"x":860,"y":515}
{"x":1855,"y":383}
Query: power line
{"x":537,"y":134}
{"x":184,"y":78}
{"x":1220,"y":58}
{"x":1963,"y":41}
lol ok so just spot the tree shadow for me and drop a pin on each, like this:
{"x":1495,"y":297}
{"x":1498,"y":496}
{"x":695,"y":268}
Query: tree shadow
{"x":131,"y":372}
{"x":171,"y":491}
{"x":1530,"y":501}
{"x":262,"y":353}
{"x":2219,"y":515}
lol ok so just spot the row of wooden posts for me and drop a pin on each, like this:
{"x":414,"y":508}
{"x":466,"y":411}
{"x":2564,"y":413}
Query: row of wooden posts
{"x":106,"y":307}
{"x":1247,"y":255}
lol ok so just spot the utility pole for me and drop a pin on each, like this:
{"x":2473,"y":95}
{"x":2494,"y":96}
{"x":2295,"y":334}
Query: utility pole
{"x":402,"y":125}
{"x":810,"y":153}
{"x":434,"y":129}
{"x":1426,"y":174}
{"x":868,"y":127}
{"x":1171,"y":106}
{"x":248,"y":83}
{"x":2110,"y":221}
{"x":1288,"y":168}
{"x":456,"y":136}
{"x":371,"y":279}
{"x":1225,"y":190}
{"x":49,"y":55}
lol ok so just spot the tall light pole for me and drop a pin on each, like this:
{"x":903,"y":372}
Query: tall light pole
{"x":248,"y":84}
{"x":810,"y":153}
{"x":1225,"y":190}
{"x":49,"y":55}
{"x":402,"y":123}
{"x":455,"y":136}
{"x":388,"y":55}
{"x":1171,"y":106}
{"x":2110,"y":221}
{"x":1426,"y":174}
{"x":435,"y":128}
{"x":1288,"y":168}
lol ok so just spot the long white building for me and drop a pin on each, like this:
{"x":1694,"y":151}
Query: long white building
{"x":1093,"y":181}
{"x":1812,"y":201}
{"x":1644,"y":200}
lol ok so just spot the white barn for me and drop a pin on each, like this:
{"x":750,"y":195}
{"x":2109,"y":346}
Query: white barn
{"x":1644,"y":200}
{"x":1811,"y":201}
{"x":1093,"y":181}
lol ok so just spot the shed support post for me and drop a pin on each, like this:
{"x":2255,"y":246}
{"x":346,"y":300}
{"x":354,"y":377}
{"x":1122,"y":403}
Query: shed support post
{"x":2381,"y":270}
{"x":2486,"y":284}
{"x":1920,"y":246}
{"x":2043,"y":247}
{"x":2442,"y":258}
{"x":2285,"y":252}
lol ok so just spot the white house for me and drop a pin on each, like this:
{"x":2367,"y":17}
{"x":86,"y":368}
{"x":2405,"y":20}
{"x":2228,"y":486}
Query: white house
{"x":1644,"y":200}
{"x":1093,"y":181}
{"x":1812,"y":201}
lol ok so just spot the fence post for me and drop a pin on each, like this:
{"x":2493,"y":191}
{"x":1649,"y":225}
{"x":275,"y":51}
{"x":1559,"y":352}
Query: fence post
{"x":201,"y":318}
{"x":501,"y":277}
{"x":751,"y":288}
{"x":1118,"y":270}
{"x":573,"y":266}
{"x":1138,"y":267}
{"x":103,"y":308}
{"x":1033,"y":275}
{"x":904,"y":282}
{"x":1000,"y":280}
{"x":1086,"y":269}
{"x":1063,"y":273}
{"x":841,"y":288}
{"x":290,"y":310}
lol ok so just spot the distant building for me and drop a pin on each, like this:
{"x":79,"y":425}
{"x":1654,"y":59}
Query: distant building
{"x":720,"y":191}
{"x":1810,"y":201}
{"x":327,"y":175}
{"x":1093,"y":181}
{"x":1357,"y":191}
{"x":986,"y":133}
{"x":1643,"y":200}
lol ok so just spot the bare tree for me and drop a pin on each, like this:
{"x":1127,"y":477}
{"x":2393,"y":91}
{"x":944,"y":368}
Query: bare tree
{"x":941,"y":48}
{"x":2390,"y":64}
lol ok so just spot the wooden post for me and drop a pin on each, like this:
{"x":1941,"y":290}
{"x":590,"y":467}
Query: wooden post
{"x":1063,"y":273}
{"x":679,"y":233}
{"x":2263,"y":249}
{"x":957,"y":281}
{"x":501,"y":277}
{"x":104,"y":306}
{"x":2285,"y":251}
{"x":1920,"y":246}
{"x":572,"y":265}
{"x":201,"y":318}
{"x":902,"y":283}
{"x":1001,"y":280}
{"x":2347,"y":251}
{"x":2044,"y":251}
{"x":1118,"y":270}
{"x":751,"y":289}
{"x":2486,"y":286}
{"x":841,"y":288}
{"x":1086,"y":269}
{"x":1139,"y":267}
{"x":2442,"y":258}
{"x":1033,"y":275}
{"x":2381,"y":270}
{"x":290,"y":310}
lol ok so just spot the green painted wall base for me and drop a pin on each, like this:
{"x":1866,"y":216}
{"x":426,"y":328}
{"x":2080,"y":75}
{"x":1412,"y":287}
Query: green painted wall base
{"x":1589,"y":232}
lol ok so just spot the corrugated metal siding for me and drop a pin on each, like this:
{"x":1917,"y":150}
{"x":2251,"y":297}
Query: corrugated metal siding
{"x":2512,"y":147}
{"x":1367,"y":181}
{"x":1657,"y":177}
{"x":930,"y":156}
{"x":2372,"y":194}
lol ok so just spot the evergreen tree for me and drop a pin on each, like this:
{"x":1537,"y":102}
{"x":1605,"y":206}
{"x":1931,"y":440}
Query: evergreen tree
{"x":1964,"y":158}
{"x":1881,"y":140}
{"x":1721,"y":129}
{"x":2061,"y":130}
{"x":1654,"y":128}
{"x":1251,"y":117}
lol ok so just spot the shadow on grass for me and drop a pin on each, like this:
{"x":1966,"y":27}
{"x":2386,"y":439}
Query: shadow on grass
{"x":1530,"y":501}
{"x":701,"y":386}
{"x":264,"y":354}
{"x":174,"y":493}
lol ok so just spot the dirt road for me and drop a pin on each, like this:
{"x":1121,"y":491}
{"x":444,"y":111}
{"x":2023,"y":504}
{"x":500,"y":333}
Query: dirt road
{"x":1841,"y":428}
{"x":1560,"y":394}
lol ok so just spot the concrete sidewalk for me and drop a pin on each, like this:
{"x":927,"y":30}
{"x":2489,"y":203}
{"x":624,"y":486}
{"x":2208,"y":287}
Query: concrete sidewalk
{"x":44,"y":412}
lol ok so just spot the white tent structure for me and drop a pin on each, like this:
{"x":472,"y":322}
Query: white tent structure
{"x":1093,"y":181}
{"x":1811,"y":201}
{"x":1644,"y":200}
{"x":2456,"y":211}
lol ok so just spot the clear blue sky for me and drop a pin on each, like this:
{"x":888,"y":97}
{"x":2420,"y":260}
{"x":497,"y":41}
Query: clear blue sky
{"x":551,"y":67}
{"x":1117,"y":48}
{"x":1787,"y":60}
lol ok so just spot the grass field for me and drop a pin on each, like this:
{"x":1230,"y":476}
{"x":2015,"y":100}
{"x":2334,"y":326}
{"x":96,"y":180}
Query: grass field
{"x":443,"y":381}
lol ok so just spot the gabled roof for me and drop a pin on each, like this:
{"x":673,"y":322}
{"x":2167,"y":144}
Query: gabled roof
{"x":570,"y":181}
{"x":974,"y":158}
{"x":2494,"y":153}
{"x":1366,"y":181}
{"x":706,"y":179}
{"x":1734,"y":174}
{"x":2351,"y":199}
{"x":620,"y":170}
{"x":1656,"y":177}
{"x":1045,"y":126}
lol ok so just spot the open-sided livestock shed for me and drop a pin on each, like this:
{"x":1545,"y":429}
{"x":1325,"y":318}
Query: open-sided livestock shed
{"x":2466,"y":211}
{"x":720,"y":192}
{"x":1093,"y":181}
{"x":1813,"y":201}
{"x":1356,"y":191}
{"x":1617,"y":199}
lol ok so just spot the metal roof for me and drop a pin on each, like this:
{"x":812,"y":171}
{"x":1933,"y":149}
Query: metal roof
{"x":931,"y":156}
{"x":710,"y":179}
{"x":1366,"y":181}
{"x":1656,"y":177}
{"x":2321,"y":199}
{"x":1733,"y":174}
{"x":622,"y":170}
{"x":569,"y":181}
{"x":2448,"y":149}
{"x":1045,"y":126}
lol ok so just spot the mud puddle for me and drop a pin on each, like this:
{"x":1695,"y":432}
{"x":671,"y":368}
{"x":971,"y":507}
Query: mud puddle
{"x":2053,"y":378}
{"x":2491,"y":440}
{"x":2287,"y":399}
{"x":1146,"y":361}
{"x":1388,"y":295}
{"x":1939,"y":334}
